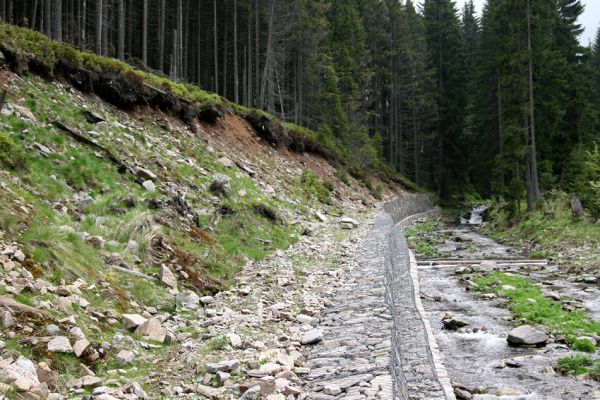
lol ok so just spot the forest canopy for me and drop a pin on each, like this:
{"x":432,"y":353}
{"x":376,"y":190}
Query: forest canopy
{"x":500,"y":105}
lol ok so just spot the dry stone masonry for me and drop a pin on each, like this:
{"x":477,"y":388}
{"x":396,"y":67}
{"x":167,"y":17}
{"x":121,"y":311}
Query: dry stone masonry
{"x":376,"y":344}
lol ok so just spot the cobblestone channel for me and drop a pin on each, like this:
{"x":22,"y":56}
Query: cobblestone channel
{"x":377,"y":344}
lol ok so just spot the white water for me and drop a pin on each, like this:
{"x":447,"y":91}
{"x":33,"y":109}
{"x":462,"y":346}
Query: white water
{"x":476,"y":217}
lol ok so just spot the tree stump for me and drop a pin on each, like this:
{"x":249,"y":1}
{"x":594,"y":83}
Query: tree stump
{"x":576,"y":207}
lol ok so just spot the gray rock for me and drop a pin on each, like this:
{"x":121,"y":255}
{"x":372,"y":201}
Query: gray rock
{"x":60,"y":344}
{"x":252,"y":393}
{"x":125,"y":357}
{"x":132,"y":321}
{"x":22,"y":368}
{"x":188,"y":300}
{"x":80,"y":346}
{"x":152,"y":329}
{"x":223,"y":366}
{"x":526,"y":335}
{"x":312,"y":337}
{"x":221,"y":184}
{"x":7,"y":319}
{"x":19,"y":256}
{"x":149,"y":186}
{"x":168,"y":277}
{"x":52,"y":330}
{"x":146,"y":174}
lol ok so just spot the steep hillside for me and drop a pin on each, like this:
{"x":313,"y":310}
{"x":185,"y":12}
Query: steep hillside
{"x":118,"y":225}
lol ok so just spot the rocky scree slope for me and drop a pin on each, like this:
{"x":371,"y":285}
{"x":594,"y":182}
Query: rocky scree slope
{"x":142,"y":256}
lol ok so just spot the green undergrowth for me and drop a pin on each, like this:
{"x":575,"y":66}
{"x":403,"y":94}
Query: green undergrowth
{"x":528,"y":303}
{"x":580,"y":364}
{"x":549,"y":230}
{"x":423,"y":238}
{"x":228,"y":231}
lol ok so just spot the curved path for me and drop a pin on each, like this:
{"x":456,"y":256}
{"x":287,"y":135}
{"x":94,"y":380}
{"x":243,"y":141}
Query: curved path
{"x":378,"y":342}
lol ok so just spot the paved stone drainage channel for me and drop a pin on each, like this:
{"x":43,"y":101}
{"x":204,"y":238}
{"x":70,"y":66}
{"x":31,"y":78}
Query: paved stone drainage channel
{"x":377,"y":345}
{"x":477,"y":356}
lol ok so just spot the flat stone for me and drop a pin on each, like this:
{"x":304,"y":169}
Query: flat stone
{"x":168,"y":277}
{"x":132,"y":321}
{"x":223,"y":366}
{"x":60,"y":344}
{"x":80,"y":346}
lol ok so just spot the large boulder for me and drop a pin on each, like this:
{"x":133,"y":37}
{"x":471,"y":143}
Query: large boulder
{"x":152,"y":329}
{"x":526,"y":335}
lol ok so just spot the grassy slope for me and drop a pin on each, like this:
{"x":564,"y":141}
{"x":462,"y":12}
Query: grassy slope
{"x":551,"y":232}
{"x":36,"y":188}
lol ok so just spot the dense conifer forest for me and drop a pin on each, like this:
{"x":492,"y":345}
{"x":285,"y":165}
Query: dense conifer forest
{"x":504,"y":105}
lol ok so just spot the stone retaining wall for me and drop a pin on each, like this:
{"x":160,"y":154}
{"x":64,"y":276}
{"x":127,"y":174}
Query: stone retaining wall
{"x":416,"y":370}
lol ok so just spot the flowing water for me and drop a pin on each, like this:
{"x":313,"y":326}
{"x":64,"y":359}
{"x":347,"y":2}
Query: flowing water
{"x":477,"y":356}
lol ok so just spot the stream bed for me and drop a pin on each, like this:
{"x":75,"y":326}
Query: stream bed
{"x":477,"y":356}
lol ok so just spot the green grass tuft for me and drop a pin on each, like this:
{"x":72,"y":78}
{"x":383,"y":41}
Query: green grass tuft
{"x":527,"y":302}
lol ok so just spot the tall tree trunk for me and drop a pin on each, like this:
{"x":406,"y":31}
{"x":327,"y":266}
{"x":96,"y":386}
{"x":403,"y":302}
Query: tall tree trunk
{"x":256,"y":50}
{"x":179,"y":53}
{"x":145,"y":32}
{"x":82,"y":25}
{"x":267,"y":78}
{"x":33,"y":15}
{"x":249,"y":81}
{"x":47,"y":18}
{"x":99,"y":22}
{"x":534,"y":185}
{"x":236,"y":82}
{"x":121,"y":31}
{"x":161,"y":36}
{"x":57,"y":21}
{"x":215,"y":49}
{"x":105,"y":28}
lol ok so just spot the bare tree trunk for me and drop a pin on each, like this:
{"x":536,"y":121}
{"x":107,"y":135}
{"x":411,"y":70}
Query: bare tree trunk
{"x":257,"y":51}
{"x":57,"y":21}
{"x":105,"y":28}
{"x":216,"y":53}
{"x":174,"y":57}
{"x":179,"y":71}
{"x":249,"y":82}
{"x":121,"y":31}
{"x":47,"y":18}
{"x":185,"y":41}
{"x":236,"y":82}
{"x":145,"y":33}
{"x":33,"y":15}
{"x":225,"y":52}
{"x":268,"y":68}
{"x":82,"y":24}
{"x":199,"y":55}
{"x":99,"y":22}
{"x":161,"y":36}
{"x":534,"y":187}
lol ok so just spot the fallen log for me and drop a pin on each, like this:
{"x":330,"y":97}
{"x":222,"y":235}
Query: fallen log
{"x":121,"y":166}
{"x":17,"y":308}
